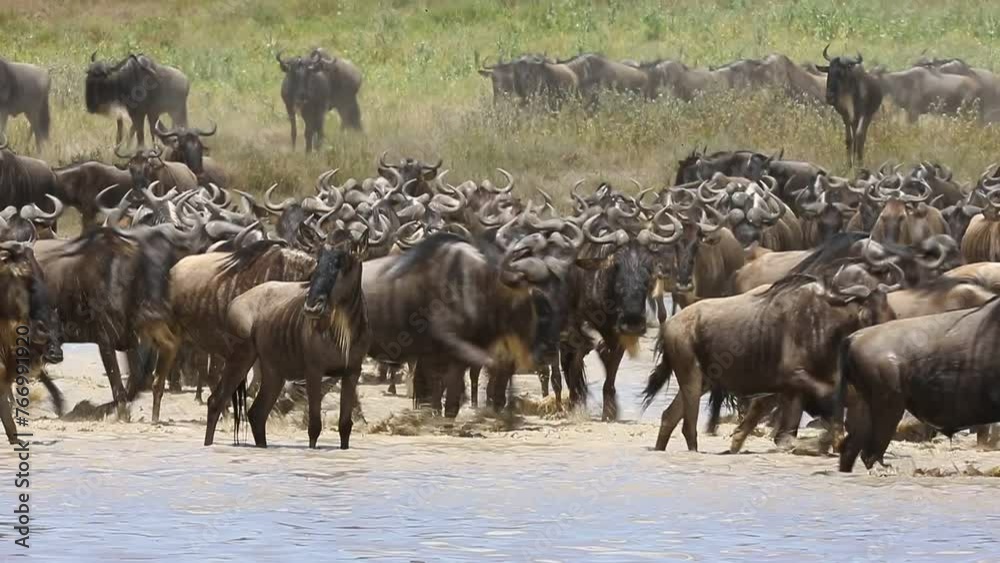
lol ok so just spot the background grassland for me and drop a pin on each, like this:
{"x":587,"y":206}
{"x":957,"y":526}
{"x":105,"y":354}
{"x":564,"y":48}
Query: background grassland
{"x":422,"y":96}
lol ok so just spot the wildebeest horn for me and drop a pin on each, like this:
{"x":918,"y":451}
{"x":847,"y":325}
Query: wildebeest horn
{"x":580,"y":202}
{"x":435,"y":167}
{"x":163,"y":133}
{"x":276,"y":208}
{"x":93,"y":57}
{"x":876,"y":254}
{"x":617,"y":236}
{"x":382,"y":163}
{"x":707,"y":228}
{"x":825,"y":55}
{"x":100,"y":196}
{"x":238,"y":241}
{"x":323,"y":182}
{"x":647,"y":236}
{"x":33,"y":213}
{"x":510,"y":182}
{"x":3,"y":142}
{"x":222,"y":229}
{"x":898,"y":279}
{"x":927,"y":191}
{"x":156,"y":151}
{"x":202,"y":133}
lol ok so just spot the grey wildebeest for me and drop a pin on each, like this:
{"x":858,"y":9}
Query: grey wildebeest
{"x":856,"y":95}
{"x":501,"y":77}
{"x":312,"y":86}
{"x":780,"y":340}
{"x":142,"y":87}
{"x":942,"y":368}
{"x":989,"y":82}
{"x":918,"y":91}
{"x":414,"y":176}
{"x":146,"y":167}
{"x":24,"y":89}
{"x":682,"y":82}
{"x":186,"y":146}
{"x":307,"y":331}
{"x":536,"y":78}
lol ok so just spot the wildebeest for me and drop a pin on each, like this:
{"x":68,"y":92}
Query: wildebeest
{"x":538,"y":78}
{"x":81,"y":182}
{"x":307,"y":331}
{"x":780,"y":340}
{"x":312,"y":86}
{"x":981,"y":242}
{"x":24,"y":89}
{"x":989,"y":82}
{"x":595,"y":72}
{"x":24,"y":180}
{"x":920,"y":90}
{"x":501,"y":77}
{"x":29,"y":328}
{"x":142,"y":87}
{"x":414,"y":176}
{"x":942,"y":368}
{"x":706,"y":256}
{"x":186,"y":146}
{"x":856,"y":95}
{"x":146,"y":167}
{"x":682,"y":82}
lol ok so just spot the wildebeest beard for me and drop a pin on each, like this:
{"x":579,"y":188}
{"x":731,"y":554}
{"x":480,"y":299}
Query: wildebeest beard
{"x":151,"y":285}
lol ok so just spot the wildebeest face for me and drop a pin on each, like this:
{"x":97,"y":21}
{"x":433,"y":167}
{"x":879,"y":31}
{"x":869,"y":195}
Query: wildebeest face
{"x":413,"y":174}
{"x":189,"y":145}
{"x":686,"y":254}
{"x":296,"y":71}
{"x":338,"y":272}
{"x":842,"y":74}
{"x":633,"y":276}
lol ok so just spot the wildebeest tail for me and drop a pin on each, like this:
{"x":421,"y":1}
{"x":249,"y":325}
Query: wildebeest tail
{"x":848,"y":372}
{"x":716,"y":399}
{"x":659,"y":377}
{"x":141,"y":364}
{"x":239,"y":409}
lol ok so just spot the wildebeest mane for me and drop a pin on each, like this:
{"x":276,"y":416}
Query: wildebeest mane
{"x":422,"y":252}
{"x":837,"y":247}
{"x":247,"y":256}
{"x":16,"y":181}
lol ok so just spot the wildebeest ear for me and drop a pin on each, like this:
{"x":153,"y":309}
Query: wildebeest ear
{"x":823,"y":69}
{"x":595,"y":263}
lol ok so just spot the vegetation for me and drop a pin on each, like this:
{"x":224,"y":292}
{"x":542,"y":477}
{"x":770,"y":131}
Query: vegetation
{"x":422,"y":96}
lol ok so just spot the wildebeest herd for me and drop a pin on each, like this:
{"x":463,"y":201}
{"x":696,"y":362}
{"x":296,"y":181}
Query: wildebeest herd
{"x":854,"y":299}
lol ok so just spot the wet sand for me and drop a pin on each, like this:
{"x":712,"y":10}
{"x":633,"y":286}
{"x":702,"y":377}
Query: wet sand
{"x":551,"y":488}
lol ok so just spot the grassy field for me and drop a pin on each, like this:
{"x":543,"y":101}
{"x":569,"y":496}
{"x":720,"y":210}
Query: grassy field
{"x":422,"y":96}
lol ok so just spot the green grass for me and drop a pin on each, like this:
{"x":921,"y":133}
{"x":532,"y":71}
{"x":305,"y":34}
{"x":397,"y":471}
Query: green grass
{"x":423,"y":98}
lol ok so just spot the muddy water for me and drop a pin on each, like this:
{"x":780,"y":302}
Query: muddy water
{"x":551,"y":490}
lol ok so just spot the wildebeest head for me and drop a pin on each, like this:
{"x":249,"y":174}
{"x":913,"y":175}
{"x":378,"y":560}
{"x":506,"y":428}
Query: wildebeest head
{"x":414,"y":175}
{"x":142,"y":165}
{"x":108,"y":84}
{"x":501,"y":76}
{"x":686,"y":250}
{"x":186,"y":144}
{"x":634,"y":263}
{"x":295,"y":69}
{"x":16,"y":277}
{"x":843,"y":74}
{"x":44,"y":324}
{"x":338,"y":271}
{"x":854,"y":284}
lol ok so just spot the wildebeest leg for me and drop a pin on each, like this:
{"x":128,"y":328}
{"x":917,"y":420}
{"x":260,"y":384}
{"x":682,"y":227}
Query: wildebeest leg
{"x":571,"y":358}
{"x":271,"y":384}
{"x":3,"y":122}
{"x":556,"y":379}
{"x":454,"y":383}
{"x":759,"y":407}
{"x":314,"y":394}
{"x":235,"y":373}
{"x":790,"y":409}
{"x":165,"y":343}
{"x":611,"y":357}
{"x":6,"y":416}
{"x":543,"y":380}
{"x":692,"y":393}
{"x":120,"y":131}
{"x":54,"y":392}
{"x":858,"y":428}
{"x":668,"y":421}
{"x":474,"y":384}
{"x":115,"y":379}
{"x":500,"y":378}
{"x":291,"y":120}
{"x":884,"y":420}
{"x":140,"y":129}
{"x":255,"y":380}
{"x":348,"y":399}
{"x":860,"y":137}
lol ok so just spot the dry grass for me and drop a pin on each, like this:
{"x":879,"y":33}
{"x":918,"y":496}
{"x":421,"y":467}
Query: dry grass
{"x":422,"y":96}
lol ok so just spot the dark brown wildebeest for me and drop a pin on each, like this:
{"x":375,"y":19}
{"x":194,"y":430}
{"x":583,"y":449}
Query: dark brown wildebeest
{"x":29,"y":327}
{"x":312,"y":86}
{"x":538,"y":78}
{"x":919,"y":91}
{"x":780,"y":340}
{"x":981,"y":242}
{"x":706,"y":256}
{"x":942,"y":368}
{"x":185,"y":146}
{"x":856,"y":95}
{"x":80,"y":184}
{"x":501,"y":77}
{"x":307,"y":331}
{"x":142,"y":87}
{"x":146,"y":166}
{"x":24,"y":180}
{"x":24,"y":89}
{"x":906,"y":219}
{"x":414,"y":176}
{"x":625,"y":266}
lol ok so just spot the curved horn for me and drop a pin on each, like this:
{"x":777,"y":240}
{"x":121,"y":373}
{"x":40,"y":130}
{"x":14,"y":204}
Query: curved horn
{"x":120,"y":155}
{"x":510,"y":182}
{"x":382,"y":163}
{"x":34,"y":213}
{"x":276,"y":208}
{"x":825,"y":55}
{"x":163,"y":133}
{"x":202,"y":133}
{"x":677,"y":229}
{"x":610,"y":238}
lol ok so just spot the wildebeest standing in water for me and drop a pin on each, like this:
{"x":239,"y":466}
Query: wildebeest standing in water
{"x":142,"y":87}
{"x":942,"y":368}
{"x":856,"y":95}
{"x":782,"y":340}
{"x":24,"y":88}
{"x":314,"y":85}
{"x":308,"y":331}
